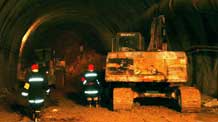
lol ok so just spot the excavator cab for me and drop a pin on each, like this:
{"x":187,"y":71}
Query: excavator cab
{"x":128,"y":41}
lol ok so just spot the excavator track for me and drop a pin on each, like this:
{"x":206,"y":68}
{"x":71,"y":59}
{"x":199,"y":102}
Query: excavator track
{"x":189,"y":99}
{"x":122,"y":98}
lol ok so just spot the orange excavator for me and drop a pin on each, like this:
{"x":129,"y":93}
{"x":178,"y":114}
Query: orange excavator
{"x":134,"y":72}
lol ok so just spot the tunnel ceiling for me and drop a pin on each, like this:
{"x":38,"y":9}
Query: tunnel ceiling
{"x":190,"y":22}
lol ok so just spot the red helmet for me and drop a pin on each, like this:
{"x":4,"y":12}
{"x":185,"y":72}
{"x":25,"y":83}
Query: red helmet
{"x":91,"y":67}
{"x":35,"y":68}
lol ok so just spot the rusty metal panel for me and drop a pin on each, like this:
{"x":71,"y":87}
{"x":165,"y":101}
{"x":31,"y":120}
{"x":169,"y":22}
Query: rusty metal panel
{"x":164,"y":66}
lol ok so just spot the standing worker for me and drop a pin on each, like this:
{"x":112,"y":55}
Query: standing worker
{"x":91,"y":86}
{"x":35,"y":89}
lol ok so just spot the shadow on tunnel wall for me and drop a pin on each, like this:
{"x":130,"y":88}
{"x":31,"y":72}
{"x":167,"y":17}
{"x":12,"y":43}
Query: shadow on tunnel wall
{"x":2,"y":73}
{"x":204,"y":71}
{"x":7,"y":72}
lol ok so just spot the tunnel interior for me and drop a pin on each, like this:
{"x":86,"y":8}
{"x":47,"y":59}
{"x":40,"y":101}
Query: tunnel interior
{"x":62,"y":37}
{"x":65,"y":25}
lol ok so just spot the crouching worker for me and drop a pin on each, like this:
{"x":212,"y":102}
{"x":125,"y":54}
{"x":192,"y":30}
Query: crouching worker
{"x":35,"y":90}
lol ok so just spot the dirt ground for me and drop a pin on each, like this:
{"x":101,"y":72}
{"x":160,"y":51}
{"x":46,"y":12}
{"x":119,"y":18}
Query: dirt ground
{"x":68,"y":107}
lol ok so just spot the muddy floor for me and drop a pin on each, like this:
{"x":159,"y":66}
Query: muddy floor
{"x":69,"y":107}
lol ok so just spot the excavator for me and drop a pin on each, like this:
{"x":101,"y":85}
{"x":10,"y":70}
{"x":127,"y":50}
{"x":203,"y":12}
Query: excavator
{"x":135,"y":72}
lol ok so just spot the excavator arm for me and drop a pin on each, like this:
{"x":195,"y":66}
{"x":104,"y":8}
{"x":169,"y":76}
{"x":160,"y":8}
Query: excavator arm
{"x":158,"y":40}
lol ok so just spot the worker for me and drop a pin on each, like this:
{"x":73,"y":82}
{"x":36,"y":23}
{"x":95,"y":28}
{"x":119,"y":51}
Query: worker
{"x":91,"y":85}
{"x":36,"y":86}
{"x":90,"y":75}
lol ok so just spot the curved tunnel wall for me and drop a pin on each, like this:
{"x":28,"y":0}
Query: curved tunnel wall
{"x":15,"y":23}
{"x":191,"y":22}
